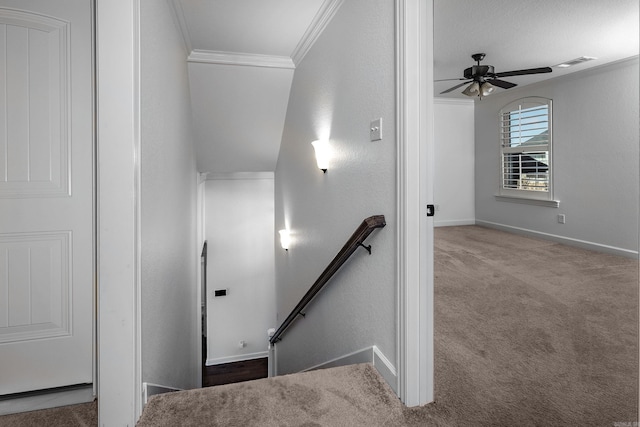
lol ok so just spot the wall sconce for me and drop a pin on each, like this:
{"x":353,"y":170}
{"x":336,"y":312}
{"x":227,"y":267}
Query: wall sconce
{"x":322,"y":154}
{"x":285,"y":239}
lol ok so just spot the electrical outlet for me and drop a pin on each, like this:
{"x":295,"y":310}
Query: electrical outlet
{"x":561,"y":218}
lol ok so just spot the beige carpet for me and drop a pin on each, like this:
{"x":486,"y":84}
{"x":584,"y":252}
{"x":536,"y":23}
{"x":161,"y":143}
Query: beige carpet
{"x":348,"y":396}
{"x":533,"y":333}
{"x":83,"y":415}
{"x":528,"y":333}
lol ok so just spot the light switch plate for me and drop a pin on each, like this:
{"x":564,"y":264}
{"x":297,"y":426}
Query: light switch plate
{"x":375,"y":130}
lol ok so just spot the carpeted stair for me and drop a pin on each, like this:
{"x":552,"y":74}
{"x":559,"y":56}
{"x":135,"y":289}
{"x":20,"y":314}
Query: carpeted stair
{"x":353,"y":395}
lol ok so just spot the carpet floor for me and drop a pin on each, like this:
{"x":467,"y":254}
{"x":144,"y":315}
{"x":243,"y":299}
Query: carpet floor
{"x":82,"y":415}
{"x":528,"y":333}
{"x":532,"y":333}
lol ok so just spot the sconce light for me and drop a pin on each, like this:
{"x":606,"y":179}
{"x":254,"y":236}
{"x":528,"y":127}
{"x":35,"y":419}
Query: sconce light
{"x":285,"y":239}
{"x":321,"y":148}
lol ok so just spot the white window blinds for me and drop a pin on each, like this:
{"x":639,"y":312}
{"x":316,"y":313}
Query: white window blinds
{"x":525,"y":148}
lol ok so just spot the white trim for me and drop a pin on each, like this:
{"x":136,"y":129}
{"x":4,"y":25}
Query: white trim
{"x":371,"y":355}
{"x":150,"y":389}
{"x":272,"y":367}
{"x":612,"y":250}
{"x":364,"y":355}
{"x":212,"y":176}
{"x":385,"y":368}
{"x":118,"y":149}
{"x":326,"y":12}
{"x":454,"y":222}
{"x":454,"y":101}
{"x":522,"y":200}
{"x":414,"y":105}
{"x":238,"y":358}
{"x":243,"y":59}
{"x":47,"y":400}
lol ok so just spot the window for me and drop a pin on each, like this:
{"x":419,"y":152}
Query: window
{"x":525,"y":149}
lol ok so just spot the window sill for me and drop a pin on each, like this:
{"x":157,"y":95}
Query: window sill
{"x":522,"y":200}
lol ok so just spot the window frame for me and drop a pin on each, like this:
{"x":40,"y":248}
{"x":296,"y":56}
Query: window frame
{"x":544,"y":198}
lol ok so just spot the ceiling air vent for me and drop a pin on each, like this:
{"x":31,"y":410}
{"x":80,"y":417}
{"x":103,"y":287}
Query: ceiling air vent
{"x":575,"y":61}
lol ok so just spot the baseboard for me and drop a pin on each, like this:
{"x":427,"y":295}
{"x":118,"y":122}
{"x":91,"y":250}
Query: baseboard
{"x":371,"y":355}
{"x":386,"y":369}
{"x":238,"y":358}
{"x":583,"y":244}
{"x":453,"y":222}
{"x":47,"y":399}
{"x":149,"y":389}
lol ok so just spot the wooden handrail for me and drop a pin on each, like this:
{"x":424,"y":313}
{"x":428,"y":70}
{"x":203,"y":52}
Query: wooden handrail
{"x":356,"y":240}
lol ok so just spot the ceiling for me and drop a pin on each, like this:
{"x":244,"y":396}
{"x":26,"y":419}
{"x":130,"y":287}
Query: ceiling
{"x":241,"y":64}
{"x":522,"y":34}
{"x":244,"y":52}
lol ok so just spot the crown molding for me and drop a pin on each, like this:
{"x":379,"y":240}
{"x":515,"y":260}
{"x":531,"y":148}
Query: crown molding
{"x":317,"y":26}
{"x":244,"y":59}
{"x":454,"y":101}
{"x":226,"y":176}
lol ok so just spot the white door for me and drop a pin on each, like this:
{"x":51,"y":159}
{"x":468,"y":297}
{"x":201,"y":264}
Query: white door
{"x":46,"y":195}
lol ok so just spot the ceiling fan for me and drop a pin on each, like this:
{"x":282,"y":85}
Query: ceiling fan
{"x":484,"y":79}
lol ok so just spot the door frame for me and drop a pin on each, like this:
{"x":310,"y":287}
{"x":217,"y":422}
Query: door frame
{"x":414,"y":106}
{"x":118,"y":197}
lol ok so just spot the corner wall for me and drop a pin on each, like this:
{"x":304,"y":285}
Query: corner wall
{"x":169,"y":261}
{"x":454,"y":180}
{"x":345,"y":81}
{"x":240,"y":242}
{"x":595,"y":160}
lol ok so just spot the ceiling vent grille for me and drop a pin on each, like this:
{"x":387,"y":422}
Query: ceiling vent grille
{"x":576,"y":61}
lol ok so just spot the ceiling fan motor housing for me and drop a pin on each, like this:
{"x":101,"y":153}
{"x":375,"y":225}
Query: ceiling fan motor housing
{"x":478,"y":71}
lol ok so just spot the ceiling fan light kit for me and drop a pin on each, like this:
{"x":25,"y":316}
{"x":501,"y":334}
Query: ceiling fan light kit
{"x":484,"y":79}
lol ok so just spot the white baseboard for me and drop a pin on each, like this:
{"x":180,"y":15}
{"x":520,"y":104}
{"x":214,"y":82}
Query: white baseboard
{"x":612,"y":250}
{"x":149,"y":389}
{"x":47,"y":399}
{"x":371,"y":355}
{"x":453,"y":222}
{"x":386,"y":369}
{"x":238,"y":358}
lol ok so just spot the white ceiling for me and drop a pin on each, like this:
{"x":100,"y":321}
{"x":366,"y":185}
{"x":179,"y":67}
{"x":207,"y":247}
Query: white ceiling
{"x":244,"y":54}
{"x":272,"y":27}
{"x":522,"y":34}
{"x":241,"y":67}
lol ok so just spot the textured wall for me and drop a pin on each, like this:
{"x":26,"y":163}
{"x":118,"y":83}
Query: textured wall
{"x":595,"y":157}
{"x":346,"y":80}
{"x":454,"y":180}
{"x":240,"y":238}
{"x":168,"y":212}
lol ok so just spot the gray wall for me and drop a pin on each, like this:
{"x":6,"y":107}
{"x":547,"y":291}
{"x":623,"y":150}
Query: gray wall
{"x":170,"y":331}
{"x":454,"y":165}
{"x":595,"y":159}
{"x":345,"y":81}
{"x":240,"y":242}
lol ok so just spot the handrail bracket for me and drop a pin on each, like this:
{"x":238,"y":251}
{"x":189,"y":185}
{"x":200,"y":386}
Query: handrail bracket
{"x":368,"y":248}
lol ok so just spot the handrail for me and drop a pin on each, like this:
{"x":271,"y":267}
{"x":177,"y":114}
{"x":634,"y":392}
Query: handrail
{"x":355,"y":241}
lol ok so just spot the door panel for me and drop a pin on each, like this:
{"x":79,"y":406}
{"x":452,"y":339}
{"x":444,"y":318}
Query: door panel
{"x":46,"y":195}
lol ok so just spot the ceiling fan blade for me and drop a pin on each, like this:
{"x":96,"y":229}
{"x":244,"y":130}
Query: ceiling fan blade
{"x":524,"y":72}
{"x":454,"y":88}
{"x":448,"y":80}
{"x":501,"y":83}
